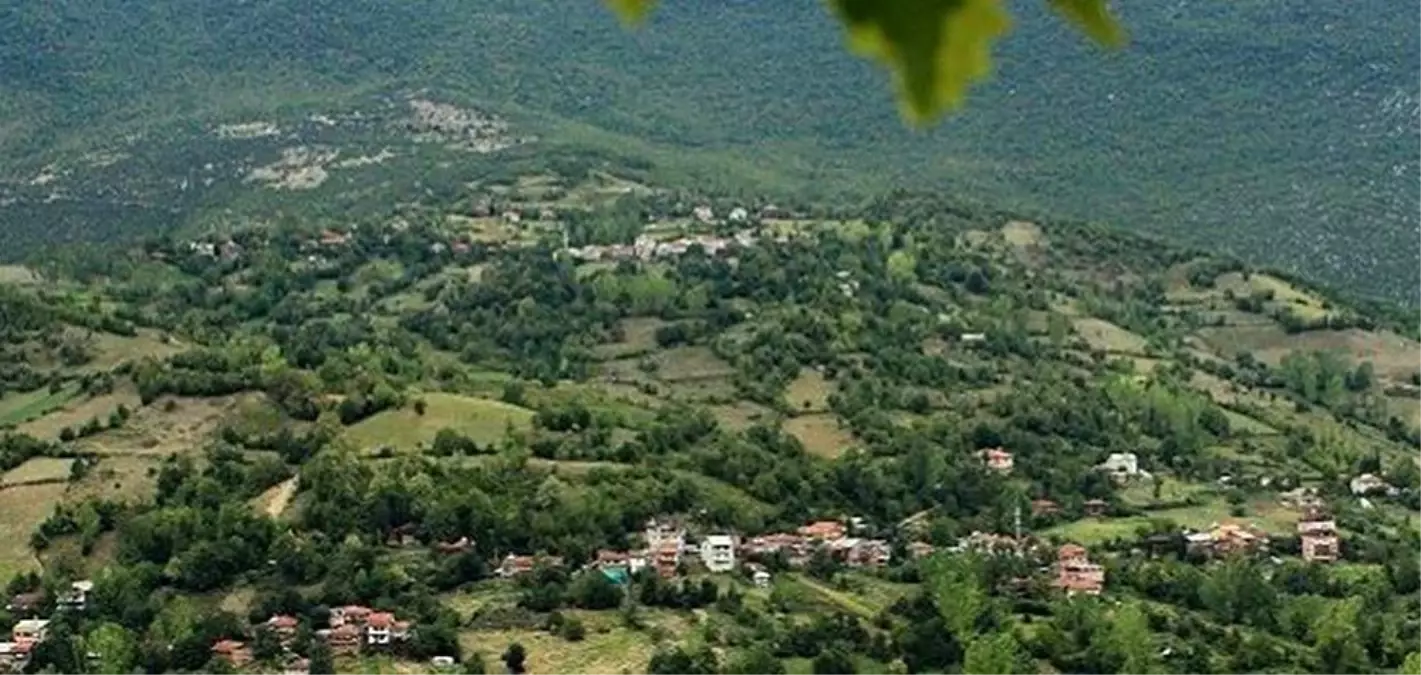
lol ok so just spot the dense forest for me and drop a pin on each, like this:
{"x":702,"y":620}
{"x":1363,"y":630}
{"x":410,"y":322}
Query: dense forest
{"x":424,"y":441}
{"x":1281,"y":134}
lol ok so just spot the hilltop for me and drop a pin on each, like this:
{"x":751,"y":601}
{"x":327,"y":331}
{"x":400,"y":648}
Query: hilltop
{"x":1281,"y":134}
{"x":913,"y":436}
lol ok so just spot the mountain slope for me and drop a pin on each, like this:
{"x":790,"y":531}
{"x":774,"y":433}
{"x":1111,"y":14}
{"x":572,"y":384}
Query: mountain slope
{"x":1282,"y":133}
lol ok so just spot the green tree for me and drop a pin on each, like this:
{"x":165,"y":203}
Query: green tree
{"x":474,"y":664}
{"x":1412,"y":665}
{"x":756,"y":660}
{"x":1131,"y":641}
{"x":995,"y":653}
{"x":322,"y":661}
{"x":1338,"y":644}
{"x":833,"y":661}
{"x":956,"y":586}
{"x":935,"y":49}
{"x":514,"y":658}
{"x":116,"y":647}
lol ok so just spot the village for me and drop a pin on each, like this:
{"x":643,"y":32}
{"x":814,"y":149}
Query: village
{"x":669,"y":550}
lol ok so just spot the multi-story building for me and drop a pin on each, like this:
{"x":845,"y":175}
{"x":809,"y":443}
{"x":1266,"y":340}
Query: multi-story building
{"x":1075,"y":573}
{"x":1318,"y":535}
{"x":718,"y":552}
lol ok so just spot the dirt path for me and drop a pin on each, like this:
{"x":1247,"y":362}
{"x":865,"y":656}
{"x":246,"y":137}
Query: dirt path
{"x":275,"y":500}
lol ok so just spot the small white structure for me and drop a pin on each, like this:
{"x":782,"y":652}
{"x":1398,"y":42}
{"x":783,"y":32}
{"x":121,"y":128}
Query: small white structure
{"x":973,"y":338}
{"x":1123,"y":466}
{"x":1368,"y":483}
{"x":738,"y":215}
{"x":718,"y":552}
{"x":761,"y":578}
{"x":703,"y":213}
{"x":442,"y":661}
{"x":77,"y":597}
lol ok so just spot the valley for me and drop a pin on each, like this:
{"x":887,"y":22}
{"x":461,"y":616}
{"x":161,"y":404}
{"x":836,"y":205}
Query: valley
{"x":512,"y":429}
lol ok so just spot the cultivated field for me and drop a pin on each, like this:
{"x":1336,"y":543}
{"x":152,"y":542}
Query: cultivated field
{"x":38,"y":469}
{"x":18,"y":408}
{"x":22,"y":509}
{"x":821,"y":434}
{"x":76,"y":413}
{"x":809,"y":392}
{"x":1106,"y":336}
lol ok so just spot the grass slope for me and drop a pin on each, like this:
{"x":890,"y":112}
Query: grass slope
{"x":483,"y":420}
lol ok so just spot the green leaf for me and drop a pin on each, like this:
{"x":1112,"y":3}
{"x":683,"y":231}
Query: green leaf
{"x":1094,"y":18}
{"x":936,"y":49}
{"x":631,"y":12}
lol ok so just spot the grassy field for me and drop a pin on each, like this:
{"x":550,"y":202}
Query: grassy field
{"x":740,"y":415}
{"x":1285,"y":296}
{"x":809,"y":392}
{"x":119,"y":477}
{"x":821,"y":434}
{"x":22,"y":509}
{"x":75,"y":414}
{"x":17,"y":274}
{"x":1265,"y":514}
{"x":1103,"y":335}
{"x":38,"y":469}
{"x":19,"y":408}
{"x":638,"y":336}
{"x":689,"y":363}
{"x":483,"y":420}
{"x":111,"y":350}
{"x":170,"y":425}
{"x":612,"y":650}
{"x":1392,"y":355}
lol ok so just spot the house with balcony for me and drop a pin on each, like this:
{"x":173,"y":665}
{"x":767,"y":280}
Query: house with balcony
{"x":344,"y":639}
{"x":283,"y":626}
{"x":1318,"y":535}
{"x":29,"y":632}
{"x":518,"y":565}
{"x":349,"y":615}
{"x":234,"y":652}
{"x":1075,"y":573}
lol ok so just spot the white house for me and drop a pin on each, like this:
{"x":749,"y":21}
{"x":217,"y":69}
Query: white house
{"x":739,"y":215}
{"x":718,"y":552}
{"x":1368,"y":483}
{"x":77,"y":598}
{"x":1123,"y":466}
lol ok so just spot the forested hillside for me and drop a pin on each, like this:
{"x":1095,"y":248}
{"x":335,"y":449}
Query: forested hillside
{"x":1284,"y":133}
{"x":580,"y":423}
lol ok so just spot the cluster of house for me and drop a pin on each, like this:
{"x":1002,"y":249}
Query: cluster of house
{"x":1317,"y":535}
{"x":353,"y":628}
{"x":32,"y":630}
{"x":668,"y":550}
{"x":646,"y":247}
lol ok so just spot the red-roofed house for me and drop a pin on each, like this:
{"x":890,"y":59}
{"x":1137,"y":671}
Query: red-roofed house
{"x":823,"y":530}
{"x":997,"y":459}
{"x":377,"y":628}
{"x":349,"y":615}
{"x":233,"y":651}
{"x":1075,"y":573}
{"x":283,"y":626}
{"x":344,"y":639}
